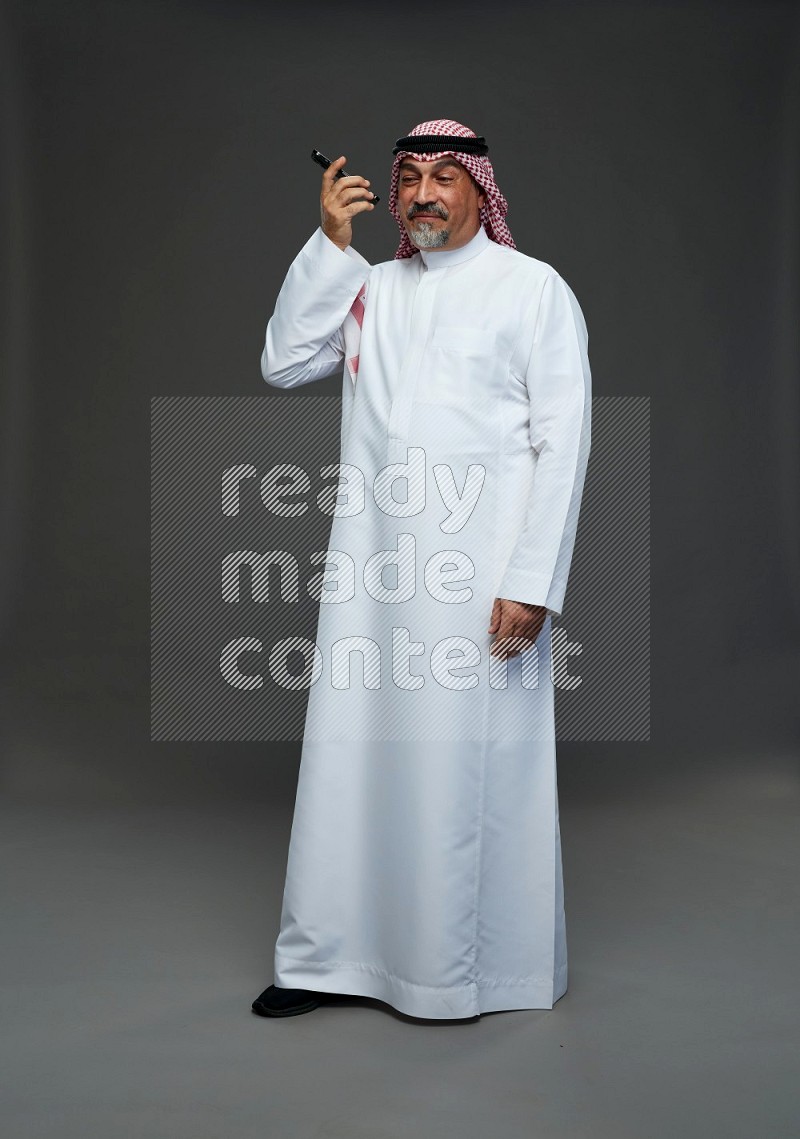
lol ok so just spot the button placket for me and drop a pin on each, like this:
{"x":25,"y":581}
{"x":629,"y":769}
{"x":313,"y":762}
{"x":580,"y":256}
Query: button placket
{"x":421,"y":317}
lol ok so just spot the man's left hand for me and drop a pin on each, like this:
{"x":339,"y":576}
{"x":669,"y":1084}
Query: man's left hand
{"x":517,"y":625}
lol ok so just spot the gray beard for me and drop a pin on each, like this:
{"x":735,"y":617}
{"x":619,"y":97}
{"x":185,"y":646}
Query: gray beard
{"x":426,"y":237}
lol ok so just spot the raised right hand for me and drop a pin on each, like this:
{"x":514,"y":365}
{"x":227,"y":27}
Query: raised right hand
{"x":339,"y":200}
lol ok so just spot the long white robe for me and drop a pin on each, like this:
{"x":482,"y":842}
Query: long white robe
{"x":424,"y":866}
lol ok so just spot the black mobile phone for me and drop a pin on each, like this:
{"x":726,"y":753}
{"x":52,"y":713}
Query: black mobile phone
{"x":324,"y":162}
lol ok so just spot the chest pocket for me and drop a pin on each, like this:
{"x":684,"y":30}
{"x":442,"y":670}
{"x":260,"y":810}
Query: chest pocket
{"x":460,"y":364}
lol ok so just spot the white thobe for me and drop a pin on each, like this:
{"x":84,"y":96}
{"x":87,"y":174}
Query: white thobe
{"x":424,"y":865}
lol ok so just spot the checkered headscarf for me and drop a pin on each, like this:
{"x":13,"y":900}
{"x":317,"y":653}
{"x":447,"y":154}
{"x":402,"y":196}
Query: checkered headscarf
{"x":474,"y":158}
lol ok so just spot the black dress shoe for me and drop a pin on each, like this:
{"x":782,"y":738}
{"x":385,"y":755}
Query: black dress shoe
{"x":291,"y":1002}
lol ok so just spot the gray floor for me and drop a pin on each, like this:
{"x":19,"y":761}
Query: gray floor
{"x":137,"y":933}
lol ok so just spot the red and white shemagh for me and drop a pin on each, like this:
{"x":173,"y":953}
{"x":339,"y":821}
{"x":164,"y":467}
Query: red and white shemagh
{"x":493,"y":215}
{"x":352,"y":332}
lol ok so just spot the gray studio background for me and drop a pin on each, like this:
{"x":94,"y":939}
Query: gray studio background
{"x":156,"y":186}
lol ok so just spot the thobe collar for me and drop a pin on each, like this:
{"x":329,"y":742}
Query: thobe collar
{"x":443,"y":258}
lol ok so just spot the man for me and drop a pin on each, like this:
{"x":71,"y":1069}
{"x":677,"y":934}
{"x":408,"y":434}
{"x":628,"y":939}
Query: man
{"x":424,"y":864}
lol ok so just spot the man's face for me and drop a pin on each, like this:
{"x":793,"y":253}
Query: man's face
{"x":438,"y":203}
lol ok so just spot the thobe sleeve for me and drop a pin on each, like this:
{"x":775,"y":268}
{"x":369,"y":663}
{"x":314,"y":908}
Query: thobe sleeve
{"x":558,"y":381}
{"x":304,"y":340}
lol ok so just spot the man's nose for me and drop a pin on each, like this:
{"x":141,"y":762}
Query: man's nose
{"x":426,"y":192}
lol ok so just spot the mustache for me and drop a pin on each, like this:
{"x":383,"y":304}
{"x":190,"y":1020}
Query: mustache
{"x":431,"y":209}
